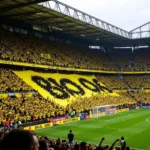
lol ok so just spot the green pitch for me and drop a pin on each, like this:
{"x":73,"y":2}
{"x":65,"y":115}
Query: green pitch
{"x":133,"y":125}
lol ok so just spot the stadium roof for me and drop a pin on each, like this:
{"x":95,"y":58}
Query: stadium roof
{"x":59,"y":16}
{"x":55,"y":15}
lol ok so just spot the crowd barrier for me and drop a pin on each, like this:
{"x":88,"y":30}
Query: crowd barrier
{"x":17,"y":94}
{"x":98,"y":115}
{"x":65,"y":121}
{"x":148,"y":106}
{"x":69,"y":69}
{"x":122,"y":110}
{"x":40,"y":126}
{"x":46,"y":125}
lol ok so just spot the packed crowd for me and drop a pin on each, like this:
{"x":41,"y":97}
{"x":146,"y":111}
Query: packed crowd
{"x":142,"y":60}
{"x":26,"y":109}
{"x":9,"y":82}
{"x":128,"y":60}
{"x":141,"y":96}
{"x":26,"y":140}
{"x":125,"y":81}
{"x":112,"y":81}
{"x":87,"y":103}
{"x":146,"y":82}
{"x":16,"y":47}
{"x":122,"y":58}
{"x":27,"y":49}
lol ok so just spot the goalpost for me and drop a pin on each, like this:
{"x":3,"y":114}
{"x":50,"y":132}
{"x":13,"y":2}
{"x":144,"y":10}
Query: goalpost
{"x":104,"y":110}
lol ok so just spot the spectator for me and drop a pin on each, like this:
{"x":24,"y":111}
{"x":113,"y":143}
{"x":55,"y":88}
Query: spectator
{"x":99,"y":147}
{"x":123,"y":143}
{"x":19,"y":140}
{"x":71,"y":137}
{"x":113,"y":144}
{"x":1,"y":136}
{"x":43,"y":145}
{"x":83,"y":146}
{"x":76,"y":146}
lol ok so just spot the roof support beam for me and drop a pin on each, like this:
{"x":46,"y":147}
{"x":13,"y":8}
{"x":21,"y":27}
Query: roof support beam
{"x":70,"y":18}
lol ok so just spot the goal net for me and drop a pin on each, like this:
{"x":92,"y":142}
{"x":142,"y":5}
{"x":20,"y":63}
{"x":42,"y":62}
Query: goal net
{"x":99,"y":111}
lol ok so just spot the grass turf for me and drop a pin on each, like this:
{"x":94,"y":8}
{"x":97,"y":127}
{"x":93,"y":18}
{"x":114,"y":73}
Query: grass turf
{"x":133,"y":125}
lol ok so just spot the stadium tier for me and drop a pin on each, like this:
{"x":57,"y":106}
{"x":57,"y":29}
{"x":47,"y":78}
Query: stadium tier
{"x":16,"y":47}
{"x":22,"y":48}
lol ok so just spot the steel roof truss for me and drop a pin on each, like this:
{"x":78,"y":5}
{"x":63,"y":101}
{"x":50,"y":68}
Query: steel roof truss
{"x":85,"y":17}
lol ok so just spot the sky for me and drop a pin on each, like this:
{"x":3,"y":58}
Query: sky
{"x":126,"y":14}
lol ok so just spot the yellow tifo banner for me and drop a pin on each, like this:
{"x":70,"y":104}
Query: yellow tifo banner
{"x":64,"y":88}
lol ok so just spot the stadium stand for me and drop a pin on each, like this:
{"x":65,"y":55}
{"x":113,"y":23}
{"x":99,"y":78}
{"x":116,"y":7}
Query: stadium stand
{"x":87,"y":103}
{"x":23,"y":48}
{"x":19,"y":111}
{"x":122,"y":58}
{"x":37,"y":51}
{"x":134,"y":82}
{"x":28,"y":108}
{"x":113,"y":81}
{"x":31,"y":95}
{"x":141,"y":59}
{"x":141,"y":96}
{"x":146,"y":81}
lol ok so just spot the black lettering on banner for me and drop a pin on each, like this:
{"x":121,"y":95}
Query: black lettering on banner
{"x":62,"y":91}
{"x":57,"y":87}
{"x":71,"y":91}
{"x":84,"y":81}
{"x":106,"y":88}
{"x":41,"y":82}
{"x":102,"y":88}
{"x":97,"y":83}
{"x":51,"y":89}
